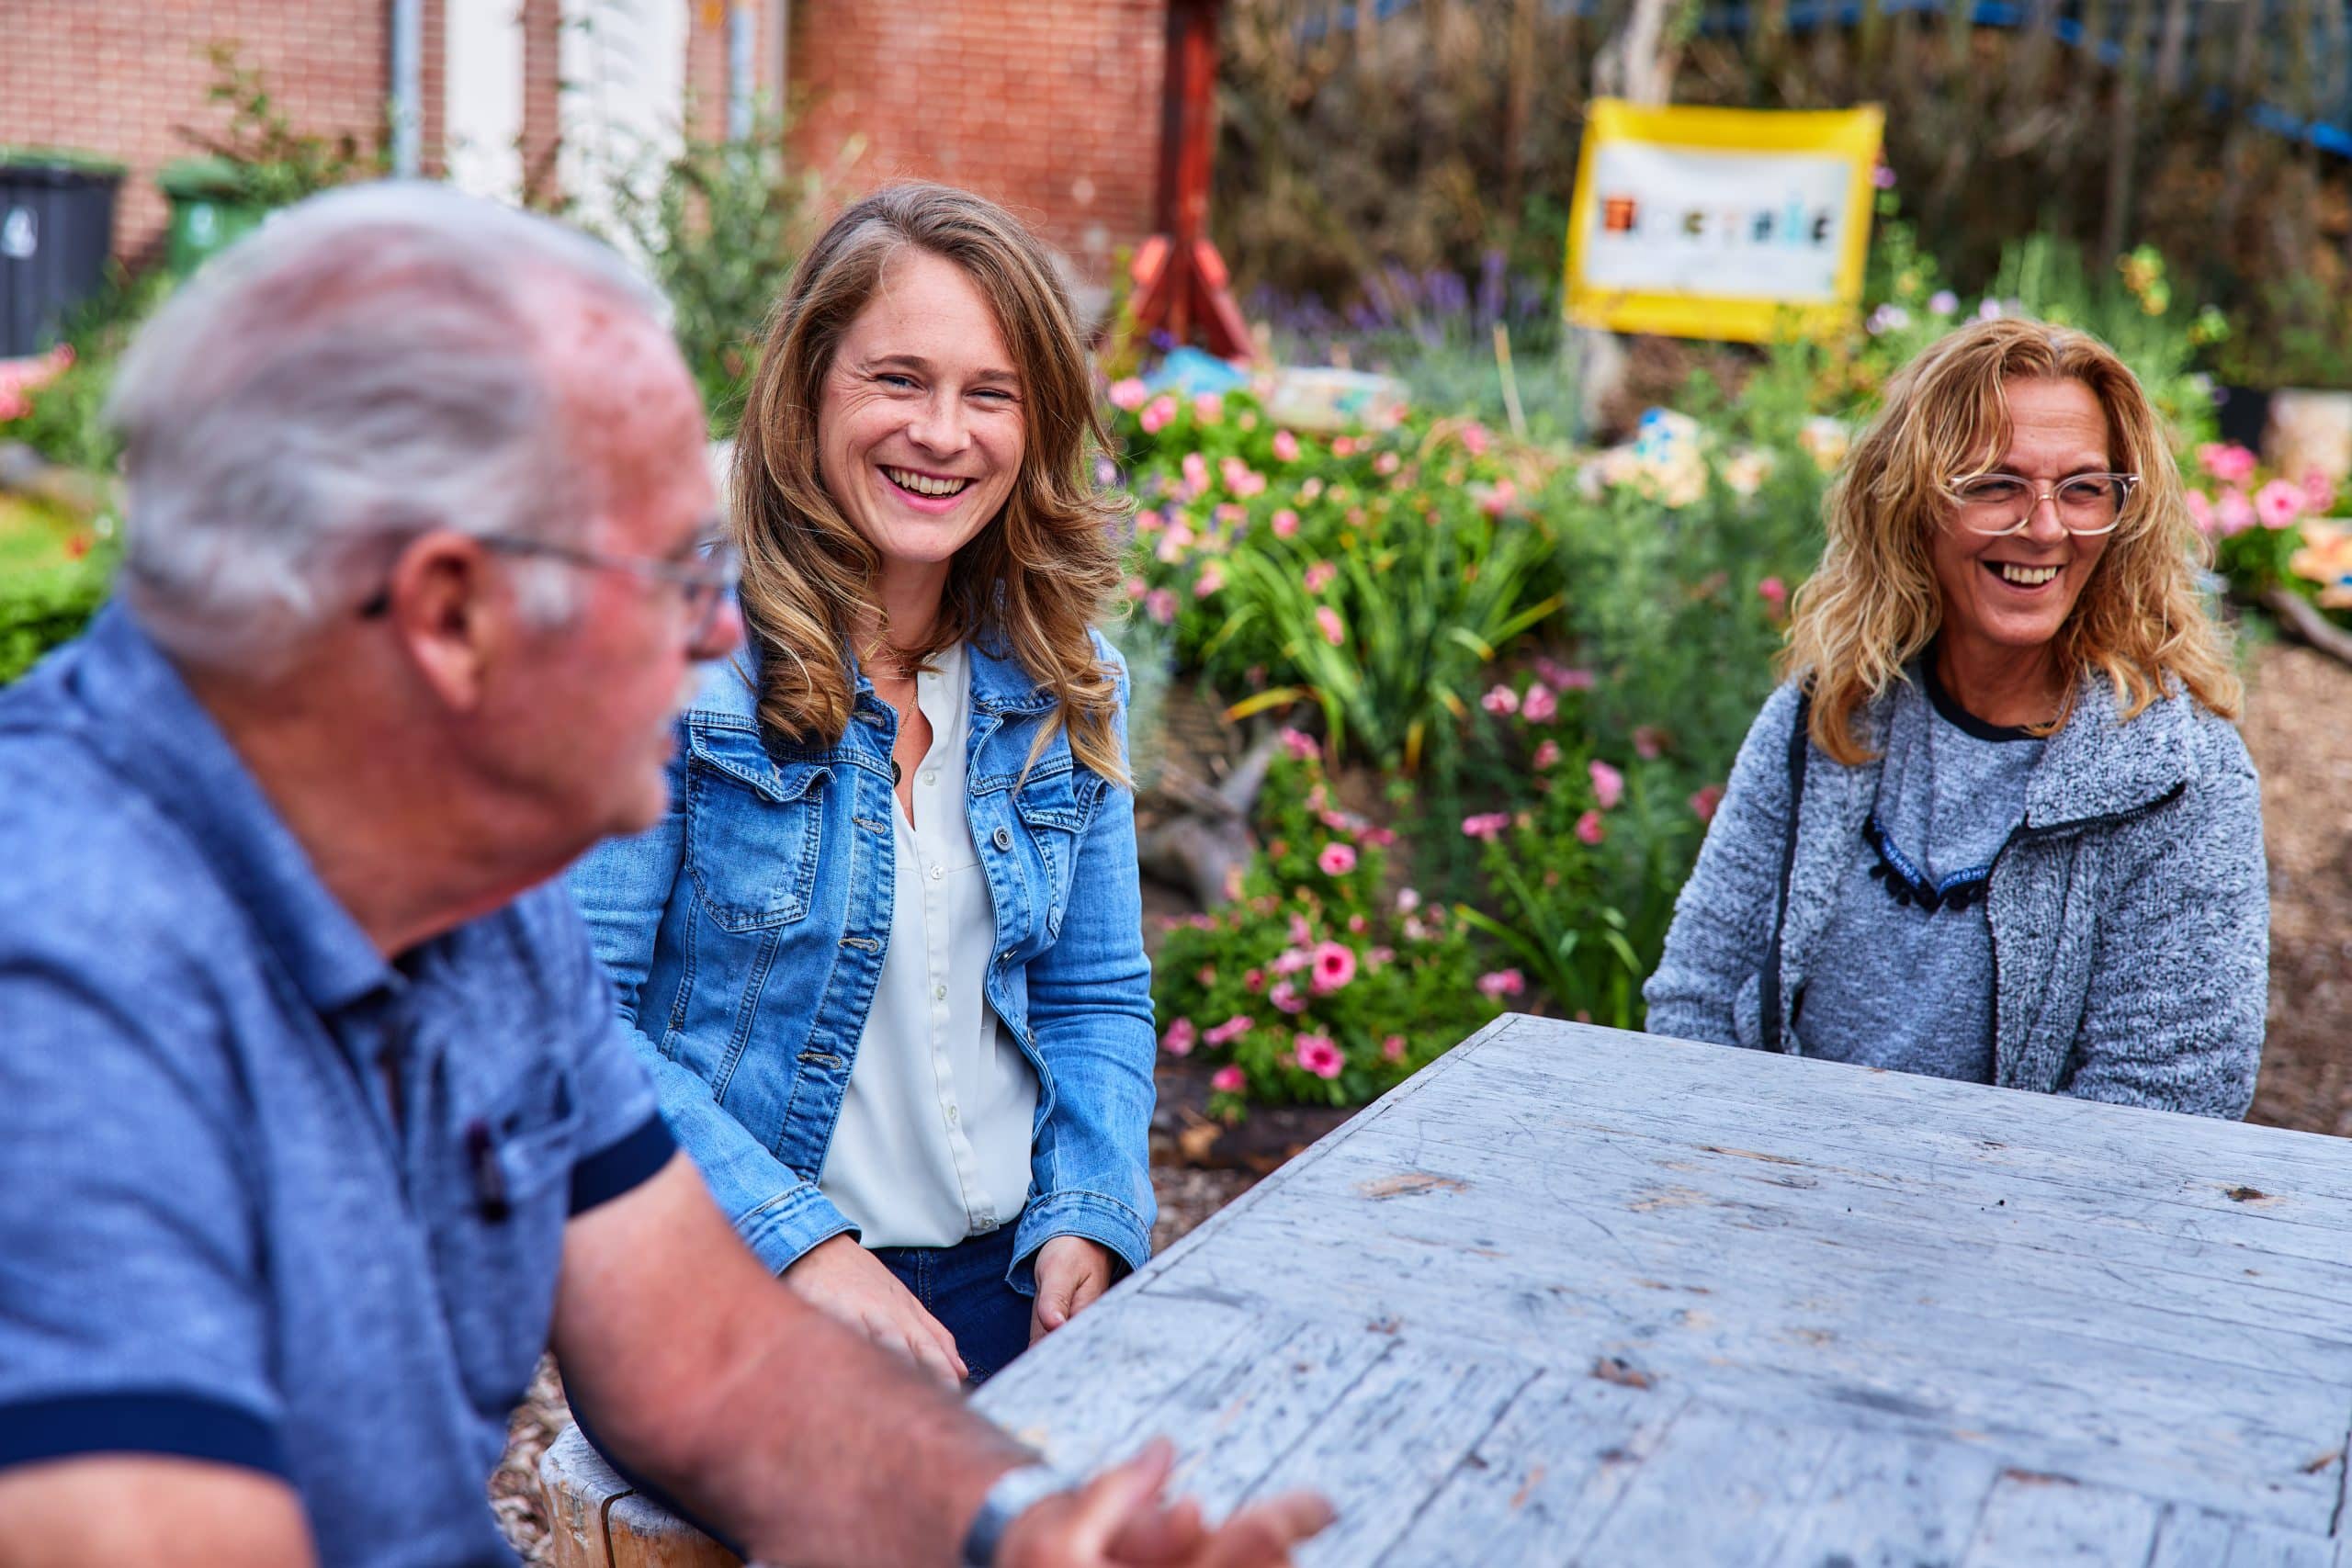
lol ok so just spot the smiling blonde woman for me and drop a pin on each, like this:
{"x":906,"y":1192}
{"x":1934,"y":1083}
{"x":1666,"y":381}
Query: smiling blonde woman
{"x":1995,"y":825}
{"x":885,"y":956}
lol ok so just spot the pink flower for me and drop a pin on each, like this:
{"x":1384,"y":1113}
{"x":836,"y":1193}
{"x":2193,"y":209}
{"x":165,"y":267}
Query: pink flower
{"x":1253,"y":981}
{"x":2319,"y":491}
{"x":1301,"y":747}
{"x":1649,"y":742}
{"x":1301,"y":933}
{"x":1205,"y":975}
{"x":1319,"y":1055}
{"x":1286,"y":996}
{"x":1335,"y":965}
{"x":1343,"y":446}
{"x":1240,"y":478}
{"x":1161,"y":606}
{"x":2232,"y":463}
{"x":1475,"y":438}
{"x":1228,"y":1079}
{"x":1285,"y":446}
{"x":1208,"y":408}
{"x":1502,"y":983}
{"x":1500,"y":700}
{"x":1318,"y":576}
{"x":1285,"y":523}
{"x":1129,"y":394}
{"x":1407,"y":900}
{"x":1564,"y":678}
{"x":1548,"y":753}
{"x":1337,"y":860}
{"x":1231,"y":1029}
{"x":2279,"y":504}
{"x":1156,"y":414}
{"x":1775,"y":594}
{"x":1486,"y":825}
{"x":2201,"y":512}
{"x":1704,"y":801}
{"x":1590,"y":830}
{"x":1311,"y":487}
{"x":1499,"y":499}
{"x":1212,"y":578}
{"x":2233,"y":513}
{"x":1196,"y":472}
{"x":1335,"y":631}
{"x":1178,"y":1041}
{"x":1393,"y":1047}
{"x":1358,"y":925}
{"x":1540,"y":705}
{"x":1608,"y":787}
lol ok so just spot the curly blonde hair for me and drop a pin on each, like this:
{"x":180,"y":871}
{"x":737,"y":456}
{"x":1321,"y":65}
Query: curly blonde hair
{"x":1035,"y":577}
{"x":1872,"y":605}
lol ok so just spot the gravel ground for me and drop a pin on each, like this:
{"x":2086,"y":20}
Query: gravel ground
{"x":2298,"y":726}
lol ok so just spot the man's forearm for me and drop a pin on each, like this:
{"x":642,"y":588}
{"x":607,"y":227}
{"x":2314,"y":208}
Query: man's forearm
{"x":802,"y":1440}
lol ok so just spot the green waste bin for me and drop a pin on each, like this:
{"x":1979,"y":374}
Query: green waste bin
{"x":212,"y":208}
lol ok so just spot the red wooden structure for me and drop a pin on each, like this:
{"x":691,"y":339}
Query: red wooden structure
{"x":1181,"y":281}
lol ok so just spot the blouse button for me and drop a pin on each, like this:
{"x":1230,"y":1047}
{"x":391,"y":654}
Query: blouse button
{"x":929,"y":776}
{"x":937,"y":872}
{"x":1003,"y":838}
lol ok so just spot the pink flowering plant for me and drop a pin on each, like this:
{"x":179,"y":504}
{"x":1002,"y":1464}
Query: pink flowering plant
{"x":2255,"y":519}
{"x":1320,"y":984}
{"x":1371,"y":576}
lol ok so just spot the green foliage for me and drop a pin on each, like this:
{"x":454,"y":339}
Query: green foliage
{"x":52,"y":578}
{"x":1311,"y":988}
{"x":2296,"y":332}
{"x":273,"y":163}
{"x":720,"y":229}
{"x":63,"y":417}
{"x":1375,"y":576}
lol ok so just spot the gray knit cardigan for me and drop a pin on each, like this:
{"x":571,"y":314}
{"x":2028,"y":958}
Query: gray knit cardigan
{"x":2130,"y":915}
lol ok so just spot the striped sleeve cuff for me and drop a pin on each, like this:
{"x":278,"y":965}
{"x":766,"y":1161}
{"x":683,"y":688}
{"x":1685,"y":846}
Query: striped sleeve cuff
{"x":612,"y":1170}
{"x":188,"y":1426}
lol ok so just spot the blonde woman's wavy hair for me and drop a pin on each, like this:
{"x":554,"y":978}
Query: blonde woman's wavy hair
{"x":1872,"y":605}
{"x":1034,"y":579}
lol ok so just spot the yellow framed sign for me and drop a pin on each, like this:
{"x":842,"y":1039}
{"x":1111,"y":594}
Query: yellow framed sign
{"x":1720,"y":223}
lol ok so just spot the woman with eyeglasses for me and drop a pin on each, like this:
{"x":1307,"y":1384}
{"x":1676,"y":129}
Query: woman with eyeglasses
{"x":1995,"y":824}
{"x":884,"y":955}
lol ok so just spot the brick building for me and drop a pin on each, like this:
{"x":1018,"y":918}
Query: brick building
{"x":1050,"y":106}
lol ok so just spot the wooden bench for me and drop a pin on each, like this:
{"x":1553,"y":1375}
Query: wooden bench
{"x":595,"y":1519}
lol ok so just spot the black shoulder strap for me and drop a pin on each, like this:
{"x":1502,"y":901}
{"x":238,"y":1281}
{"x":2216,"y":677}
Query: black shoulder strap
{"x":1774,"y":1025}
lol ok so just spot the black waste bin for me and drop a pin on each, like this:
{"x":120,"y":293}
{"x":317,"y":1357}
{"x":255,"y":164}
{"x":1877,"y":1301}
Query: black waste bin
{"x":56,"y":227}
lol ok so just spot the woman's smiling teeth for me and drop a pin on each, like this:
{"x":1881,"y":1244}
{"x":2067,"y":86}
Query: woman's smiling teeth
{"x":2024,"y":576}
{"x":923,"y":484}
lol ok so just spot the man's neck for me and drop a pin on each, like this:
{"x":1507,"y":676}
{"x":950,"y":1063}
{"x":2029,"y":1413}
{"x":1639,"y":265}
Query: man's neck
{"x":378,"y":815}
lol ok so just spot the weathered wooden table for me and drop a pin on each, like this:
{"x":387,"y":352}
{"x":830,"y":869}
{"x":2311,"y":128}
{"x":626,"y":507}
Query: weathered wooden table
{"x":1572,"y":1295}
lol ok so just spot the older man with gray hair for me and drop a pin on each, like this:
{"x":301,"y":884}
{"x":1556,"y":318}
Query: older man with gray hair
{"x":315,"y":1125}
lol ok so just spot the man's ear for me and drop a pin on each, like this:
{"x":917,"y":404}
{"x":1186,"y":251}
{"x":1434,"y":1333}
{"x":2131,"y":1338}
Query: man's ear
{"x":450,"y":612}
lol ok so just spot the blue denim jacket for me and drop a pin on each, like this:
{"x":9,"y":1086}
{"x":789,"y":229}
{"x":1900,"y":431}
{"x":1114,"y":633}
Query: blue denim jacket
{"x":745,"y":934}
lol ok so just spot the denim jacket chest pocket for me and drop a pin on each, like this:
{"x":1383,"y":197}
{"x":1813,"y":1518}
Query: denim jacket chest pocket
{"x":754,"y":829}
{"x":1055,"y":809}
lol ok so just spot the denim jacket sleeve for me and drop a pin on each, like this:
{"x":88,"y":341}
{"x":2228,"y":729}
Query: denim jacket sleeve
{"x":1090,"y":1003}
{"x":623,"y":887}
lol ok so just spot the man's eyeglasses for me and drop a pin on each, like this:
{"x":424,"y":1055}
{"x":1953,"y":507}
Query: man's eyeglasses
{"x":704,"y":584}
{"x":2005,"y":503}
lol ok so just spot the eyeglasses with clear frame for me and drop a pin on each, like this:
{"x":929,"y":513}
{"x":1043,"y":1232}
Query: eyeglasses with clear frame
{"x":2000,"y":504}
{"x":704,"y":584}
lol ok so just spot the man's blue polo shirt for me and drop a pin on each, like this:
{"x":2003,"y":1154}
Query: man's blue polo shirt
{"x":217,"y":1237}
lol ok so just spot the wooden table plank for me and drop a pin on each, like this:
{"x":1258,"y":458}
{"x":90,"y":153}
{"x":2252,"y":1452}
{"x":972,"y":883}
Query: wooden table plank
{"x":1575,"y":1295}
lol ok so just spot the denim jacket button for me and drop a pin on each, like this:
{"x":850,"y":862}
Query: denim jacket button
{"x":1003,"y":838}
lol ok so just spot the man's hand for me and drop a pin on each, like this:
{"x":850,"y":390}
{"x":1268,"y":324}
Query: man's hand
{"x":1117,"y":1520}
{"x":852,"y":1287}
{"x":1072,"y":1272}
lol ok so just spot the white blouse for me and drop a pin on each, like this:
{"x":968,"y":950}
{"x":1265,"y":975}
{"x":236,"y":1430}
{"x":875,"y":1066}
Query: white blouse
{"x":934,"y":1142}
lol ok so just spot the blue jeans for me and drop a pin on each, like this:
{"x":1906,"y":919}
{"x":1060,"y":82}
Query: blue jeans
{"x":964,"y":1287}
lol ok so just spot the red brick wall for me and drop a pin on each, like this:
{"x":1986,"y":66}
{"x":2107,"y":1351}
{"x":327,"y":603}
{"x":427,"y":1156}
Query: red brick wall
{"x":119,"y":76}
{"x":542,"y":88}
{"x":1051,"y":107}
